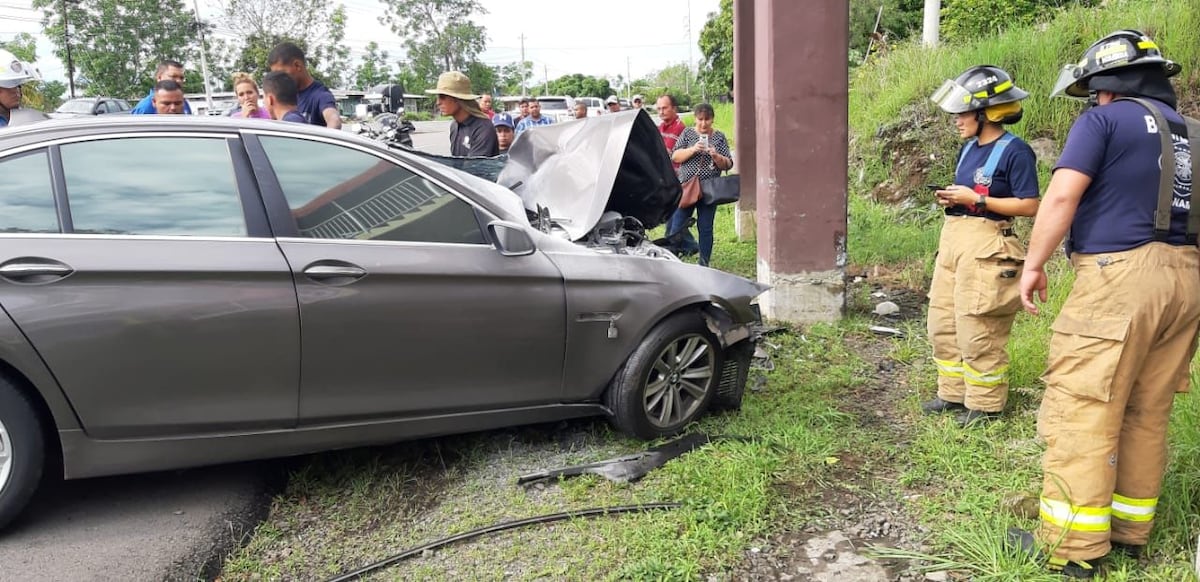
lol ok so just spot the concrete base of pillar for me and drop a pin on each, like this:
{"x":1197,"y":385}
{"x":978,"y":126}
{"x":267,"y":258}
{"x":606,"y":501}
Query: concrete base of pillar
{"x":745,"y":222}
{"x":802,"y":297}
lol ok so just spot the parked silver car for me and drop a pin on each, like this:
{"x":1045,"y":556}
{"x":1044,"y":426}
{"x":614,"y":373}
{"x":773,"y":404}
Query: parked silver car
{"x":180,"y":291}
{"x":82,"y":106}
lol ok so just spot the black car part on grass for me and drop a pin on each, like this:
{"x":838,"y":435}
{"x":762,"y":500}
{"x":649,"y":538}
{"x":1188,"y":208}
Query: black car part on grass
{"x":630,"y":468}
{"x":544,"y":519}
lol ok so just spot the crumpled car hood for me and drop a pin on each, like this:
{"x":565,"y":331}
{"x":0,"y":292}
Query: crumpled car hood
{"x":580,"y":169}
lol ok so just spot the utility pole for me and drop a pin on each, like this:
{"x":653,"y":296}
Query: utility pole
{"x":628,"y":80}
{"x":524,"y":74}
{"x":67,"y":43}
{"x":687,"y":71}
{"x":203,"y":58}
{"x":929,"y":32}
{"x":545,"y":79}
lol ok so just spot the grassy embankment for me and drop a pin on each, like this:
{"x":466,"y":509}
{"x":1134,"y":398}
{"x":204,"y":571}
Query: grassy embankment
{"x":962,"y":477}
{"x":343,"y":510}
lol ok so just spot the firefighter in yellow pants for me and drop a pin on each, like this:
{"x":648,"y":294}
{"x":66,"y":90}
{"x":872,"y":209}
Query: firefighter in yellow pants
{"x":974,"y":296}
{"x":1124,"y":339}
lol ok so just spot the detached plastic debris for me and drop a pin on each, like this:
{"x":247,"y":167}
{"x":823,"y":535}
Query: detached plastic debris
{"x":630,"y":468}
{"x":881,"y":330}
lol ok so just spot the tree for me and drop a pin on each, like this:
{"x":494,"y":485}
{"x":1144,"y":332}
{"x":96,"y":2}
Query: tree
{"x":512,"y":76}
{"x":964,"y":19}
{"x":578,"y":85}
{"x":439,"y":34}
{"x":483,"y":77}
{"x":716,"y":46}
{"x":116,"y":44}
{"x":317,"y":26}
{"x":374,"y":69}
{"x":899,"y":20}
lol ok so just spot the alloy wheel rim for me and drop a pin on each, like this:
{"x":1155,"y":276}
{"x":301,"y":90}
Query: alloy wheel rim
{"x":6,"y":456}
{"x":679,"y":380}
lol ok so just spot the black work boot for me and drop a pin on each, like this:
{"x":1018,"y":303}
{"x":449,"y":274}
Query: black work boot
{"x":937,"y":405}
{"x":1132,"y":550}
{"x":975,"y":416}
{"x":1023,"y":542}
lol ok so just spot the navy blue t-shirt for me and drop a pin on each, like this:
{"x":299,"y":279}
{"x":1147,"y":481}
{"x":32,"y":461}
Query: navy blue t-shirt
{"x":293,"y":116}
{"x":314,"y":99}
{"x":1015,"y":175}
{"x":1117,"y":145}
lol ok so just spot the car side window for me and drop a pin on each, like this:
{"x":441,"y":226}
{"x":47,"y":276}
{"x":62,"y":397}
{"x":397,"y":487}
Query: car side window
{"x":153,"y":186}
{"x":336,"y":192}
{"x":27,"y":194}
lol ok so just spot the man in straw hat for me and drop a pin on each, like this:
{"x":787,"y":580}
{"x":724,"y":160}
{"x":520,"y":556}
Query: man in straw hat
{"x":472,"y":133}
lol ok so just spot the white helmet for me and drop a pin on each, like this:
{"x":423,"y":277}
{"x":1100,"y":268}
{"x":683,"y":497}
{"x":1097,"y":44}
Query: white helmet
{"x":15,"y":72}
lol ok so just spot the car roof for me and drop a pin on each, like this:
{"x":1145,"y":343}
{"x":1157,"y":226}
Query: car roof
{"x":102,"y":125}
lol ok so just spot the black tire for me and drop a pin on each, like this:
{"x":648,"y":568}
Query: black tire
{"x":25,"y":447}
{"x":639,"y":412}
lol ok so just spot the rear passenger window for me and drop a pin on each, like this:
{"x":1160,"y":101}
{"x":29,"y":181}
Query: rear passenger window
{"x":27,"y":194}
{"x":341,"y":193}
{"x":153,"y":186}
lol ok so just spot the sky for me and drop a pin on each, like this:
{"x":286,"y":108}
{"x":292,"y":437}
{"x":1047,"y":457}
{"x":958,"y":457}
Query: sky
{"x":561,"y":37}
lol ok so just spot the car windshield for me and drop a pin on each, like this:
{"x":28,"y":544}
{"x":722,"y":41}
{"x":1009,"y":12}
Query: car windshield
{"x":553,"y":103}
{"x":77,"y":106}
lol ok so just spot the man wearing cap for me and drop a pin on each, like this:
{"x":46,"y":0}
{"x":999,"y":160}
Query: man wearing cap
{"x":471,"y":134}
{"x":614,"y":104}
{"x":637,"y":102}
{"x":504,"y":130}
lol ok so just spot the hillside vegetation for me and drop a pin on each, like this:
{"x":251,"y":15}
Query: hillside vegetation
{"x":901,"y":141}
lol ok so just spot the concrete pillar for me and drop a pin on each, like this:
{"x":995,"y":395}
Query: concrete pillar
{"x":743,"y":117}
{"x":801,"y":86}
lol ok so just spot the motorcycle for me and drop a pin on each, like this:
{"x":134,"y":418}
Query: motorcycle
{"x":386,"y":125}
{"x":388,"y":128}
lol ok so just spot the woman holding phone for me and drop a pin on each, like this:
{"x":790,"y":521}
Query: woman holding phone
{"x":975,"y":295}
{"x":700,"y":151}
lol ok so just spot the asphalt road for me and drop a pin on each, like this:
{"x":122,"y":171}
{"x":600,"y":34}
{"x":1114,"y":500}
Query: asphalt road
{"x":163,"y":526}
{"x":432,"y":137}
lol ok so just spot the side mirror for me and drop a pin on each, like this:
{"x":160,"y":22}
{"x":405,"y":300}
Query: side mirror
{"x":511,"y":239}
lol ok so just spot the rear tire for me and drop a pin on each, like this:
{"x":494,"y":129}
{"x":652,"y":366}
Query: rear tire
{"x":22,"y":451}
{"x":668,"y":381}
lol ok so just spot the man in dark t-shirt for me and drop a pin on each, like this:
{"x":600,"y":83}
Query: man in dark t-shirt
{"x":472,"y":133}
{"x":314,"y":101}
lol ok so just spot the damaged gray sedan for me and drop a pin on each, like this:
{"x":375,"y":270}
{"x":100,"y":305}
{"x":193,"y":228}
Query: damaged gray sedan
{"x":185,"y":291}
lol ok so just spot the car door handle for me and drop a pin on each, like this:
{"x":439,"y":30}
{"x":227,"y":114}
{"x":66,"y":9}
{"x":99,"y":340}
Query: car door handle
{"x":24,"y":269}
{"x":321,"y":272}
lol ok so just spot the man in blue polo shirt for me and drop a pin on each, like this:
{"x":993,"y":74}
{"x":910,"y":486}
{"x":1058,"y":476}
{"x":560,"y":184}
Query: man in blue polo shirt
{"x":167,"y":70}
{"x":315,"y":101}
{"x":1125,"y":337}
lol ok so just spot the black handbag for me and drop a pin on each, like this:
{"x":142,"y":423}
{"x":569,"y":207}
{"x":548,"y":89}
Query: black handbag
{"x":720,"y":190}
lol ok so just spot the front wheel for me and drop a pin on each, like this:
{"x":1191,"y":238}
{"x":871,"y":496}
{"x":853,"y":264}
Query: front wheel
{"x":22,"y":451}
{"x":668,"y":381}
